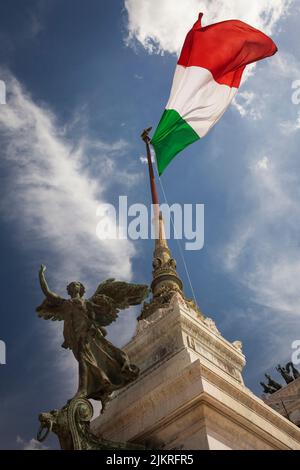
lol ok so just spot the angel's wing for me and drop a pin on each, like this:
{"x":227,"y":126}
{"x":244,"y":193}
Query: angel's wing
{"x":122,"y":293}
{"x":102,"y":309}
{"x":53,"y":309}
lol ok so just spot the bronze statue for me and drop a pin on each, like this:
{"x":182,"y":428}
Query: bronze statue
{"x":295,"y":372}
{"x":103,"y":368}
{"x":267,"y":388}
{"x":71,"y":424}
{"x":272,"y":383}
{"x":285,"y":374}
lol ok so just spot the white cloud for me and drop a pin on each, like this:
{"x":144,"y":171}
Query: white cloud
{"x":235,"y":249}
{"x":286,"y":66}
{"x":33,"y":444}
{"x":290,"y":127}
{"x":262,"y":164}
{"x":162,"y":27}
{"x":54,"y":188}
{"x":144,"y":160}
{"x":249,"y":105}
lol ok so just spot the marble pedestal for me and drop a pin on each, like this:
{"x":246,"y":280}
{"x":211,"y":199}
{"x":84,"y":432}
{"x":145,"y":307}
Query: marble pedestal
{"x":190,"y":393}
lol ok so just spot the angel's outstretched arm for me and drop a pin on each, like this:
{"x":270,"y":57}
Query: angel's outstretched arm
{"x":44,"y":286}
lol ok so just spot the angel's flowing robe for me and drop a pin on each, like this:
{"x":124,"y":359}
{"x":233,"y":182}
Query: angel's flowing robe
{"x":107,"y":367}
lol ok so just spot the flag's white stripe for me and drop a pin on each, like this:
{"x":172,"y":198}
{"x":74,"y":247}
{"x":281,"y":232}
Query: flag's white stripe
{"x":198,"y":98}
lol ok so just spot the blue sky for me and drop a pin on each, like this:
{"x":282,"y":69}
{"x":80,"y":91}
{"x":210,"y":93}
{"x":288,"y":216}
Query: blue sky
{"x":83,"y":80}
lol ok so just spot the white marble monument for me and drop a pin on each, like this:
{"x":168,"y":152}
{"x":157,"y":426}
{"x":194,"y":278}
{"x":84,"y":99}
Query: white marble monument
{"x":190,"y":393}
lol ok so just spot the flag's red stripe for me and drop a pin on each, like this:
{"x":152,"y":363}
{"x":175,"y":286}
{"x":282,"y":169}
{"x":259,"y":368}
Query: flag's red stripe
{"x":225,"y":49}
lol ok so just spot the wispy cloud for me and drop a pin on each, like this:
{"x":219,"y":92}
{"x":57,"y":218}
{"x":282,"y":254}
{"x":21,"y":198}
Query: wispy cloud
{"x":263,"y":251}
{"x":53,"y":188}
{"x":249,"y":105}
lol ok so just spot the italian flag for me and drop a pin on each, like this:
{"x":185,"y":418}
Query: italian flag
{"x":207,"y":77}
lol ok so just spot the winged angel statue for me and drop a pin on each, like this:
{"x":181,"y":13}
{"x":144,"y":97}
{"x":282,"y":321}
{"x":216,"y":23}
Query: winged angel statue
{"x":103,"y":368}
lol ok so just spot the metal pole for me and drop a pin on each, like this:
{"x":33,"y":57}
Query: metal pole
{"x":146,"y":139}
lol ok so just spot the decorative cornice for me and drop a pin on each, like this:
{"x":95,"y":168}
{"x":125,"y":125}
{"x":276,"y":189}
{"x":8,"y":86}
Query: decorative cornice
{"x":204,"y":335}
{"x":198,"y":372}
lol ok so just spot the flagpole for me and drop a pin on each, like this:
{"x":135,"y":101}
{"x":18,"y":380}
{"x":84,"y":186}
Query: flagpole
{"x":146,"y":139}
{"x":154,"y":195}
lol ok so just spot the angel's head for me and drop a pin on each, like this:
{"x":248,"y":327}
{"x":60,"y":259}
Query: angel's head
{"x":75,"y":288}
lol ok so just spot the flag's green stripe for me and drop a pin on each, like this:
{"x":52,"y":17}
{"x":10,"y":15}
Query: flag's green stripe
{"x":172,"y":135}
